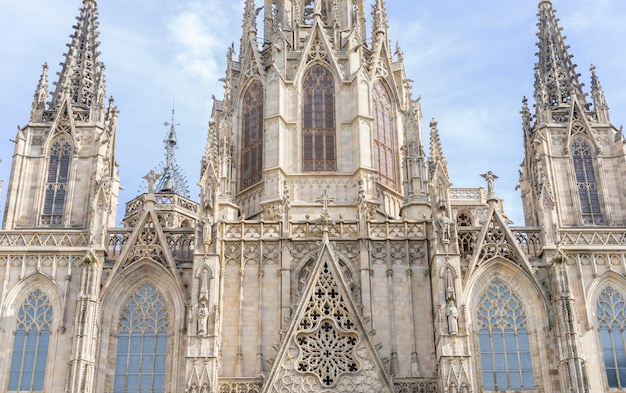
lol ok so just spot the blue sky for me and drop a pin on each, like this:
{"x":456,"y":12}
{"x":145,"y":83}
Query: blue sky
{"x":471,"y":62}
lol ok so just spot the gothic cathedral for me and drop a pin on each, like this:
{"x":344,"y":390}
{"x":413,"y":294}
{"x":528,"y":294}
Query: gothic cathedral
{"x":327,"y":252}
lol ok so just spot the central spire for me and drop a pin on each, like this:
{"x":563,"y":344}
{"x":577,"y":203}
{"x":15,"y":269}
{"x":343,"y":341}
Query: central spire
{"x":555,"y":75}
{"x":172,"y":179}
{"x":81,"y":80}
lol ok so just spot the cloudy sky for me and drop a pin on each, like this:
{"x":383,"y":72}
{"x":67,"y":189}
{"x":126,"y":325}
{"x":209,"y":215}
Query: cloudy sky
{"x":472,"y":62}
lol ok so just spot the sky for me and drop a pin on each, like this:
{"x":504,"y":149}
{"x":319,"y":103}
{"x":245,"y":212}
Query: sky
{"x":470,"y":61}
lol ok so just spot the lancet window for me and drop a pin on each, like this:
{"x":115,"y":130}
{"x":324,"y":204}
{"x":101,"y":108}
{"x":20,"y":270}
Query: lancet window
{"x":318,"y":115}
{"x":503,"y":340}
{"x":586,"y":182}
{"x":252,"y":135}
{"x":142,"y":342}
{"x":56,"y":182}
{"x":611,"y":311}
{"x":30,"y":346}
{"x":383,"y":136}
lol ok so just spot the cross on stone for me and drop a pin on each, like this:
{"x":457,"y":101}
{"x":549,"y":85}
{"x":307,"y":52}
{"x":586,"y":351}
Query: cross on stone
{"x":324,"y":200}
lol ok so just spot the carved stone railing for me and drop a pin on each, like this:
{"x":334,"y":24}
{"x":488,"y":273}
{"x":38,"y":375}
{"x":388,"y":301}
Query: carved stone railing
{"x":250,"y":230}
{"x":240,"y":385}
{"x":528,"y":239}
{"x":162,"y":201}
{"x":341,"y":230}
{"x":596,"y":237}
{"x":396,"y":230}
{"x":180,"y":242}
{"x":44,"y":239}
{"x":415,"y":385}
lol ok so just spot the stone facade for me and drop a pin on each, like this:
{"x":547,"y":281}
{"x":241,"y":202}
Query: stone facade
{"x":327,"y":252}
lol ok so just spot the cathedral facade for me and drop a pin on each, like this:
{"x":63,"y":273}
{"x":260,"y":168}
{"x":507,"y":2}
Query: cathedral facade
{"x":327,"y":251}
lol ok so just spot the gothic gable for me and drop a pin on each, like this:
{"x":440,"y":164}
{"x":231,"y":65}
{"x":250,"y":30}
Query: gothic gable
{"x":496,"y":241}
{"x":318,"y":49}
{"x":327,"y":347}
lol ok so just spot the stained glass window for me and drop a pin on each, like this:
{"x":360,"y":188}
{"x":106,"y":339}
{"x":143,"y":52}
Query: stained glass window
{"x":503,"y":340}
{"x":586,"y":182}
{"x":56,"y":182}
{"x":30,"y":348}
{"x":142,"y":343}
{"x":384,"y":156}
{"x":252,"y":135}
{"x":318,"y":118}
{"x":611,"y":310}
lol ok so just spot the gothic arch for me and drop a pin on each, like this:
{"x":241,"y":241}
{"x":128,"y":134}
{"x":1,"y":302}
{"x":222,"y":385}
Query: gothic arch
{"x":384,"y":140}
{"x":56,"y":195}
{"x":13,"y":301}
{"x":586,"y":178}
{"x":318,"y":93}
{"x":112,"y":303}
{"x":601,"y":284}
{"x":533,"y":301}
{"x":252,"y":130}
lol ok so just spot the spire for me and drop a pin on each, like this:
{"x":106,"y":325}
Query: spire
{"x":82,"y":78}
{"x":599,"y":99}
{"x":41,"y":94}
{"x":249,"y":17}
{"x":379,"y":18}
{"x":436,"y":152}
{"x":554,"y":69}
{"x":172,"y":180}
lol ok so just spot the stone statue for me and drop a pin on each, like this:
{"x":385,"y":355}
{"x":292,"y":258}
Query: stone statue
{"x":151,"y":178}
{"x":450,"y":291}
{"x":207,"y":233}
{"x":453,"y":316}
{"x":444,"y":227}
{"x":490,"y":177}
{"x":203,"y":318}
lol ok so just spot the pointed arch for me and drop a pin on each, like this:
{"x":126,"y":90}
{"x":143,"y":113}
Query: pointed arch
{"x":586,"y":181}
{"x":252,"y":126}
{"x":607,"y":306}
{"x":57,"y":176}
{"x":508,"y":309}
{"x":319,"y":152}
{"x":384,"y":136}
{"x":143,"y":285}
{"x":32,"y":334}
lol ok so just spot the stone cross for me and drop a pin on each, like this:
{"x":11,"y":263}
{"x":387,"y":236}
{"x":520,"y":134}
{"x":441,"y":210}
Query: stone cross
{"x":324,"y":199}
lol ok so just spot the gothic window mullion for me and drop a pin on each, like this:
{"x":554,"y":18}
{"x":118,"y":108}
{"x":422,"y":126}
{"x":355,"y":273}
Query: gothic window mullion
{"x":252,"y":127}
{"x":586,"y":182}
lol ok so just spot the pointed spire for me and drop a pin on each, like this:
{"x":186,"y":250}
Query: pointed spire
{"x":41,"y":95}
{"x":599,"y":99}
{"x":249,"y":18}
{"x":81,"y":80}
{"x":379,"y":18}
{"x":436,"y":151}
{"x":555,"y":70}
{"x":173,"y":180}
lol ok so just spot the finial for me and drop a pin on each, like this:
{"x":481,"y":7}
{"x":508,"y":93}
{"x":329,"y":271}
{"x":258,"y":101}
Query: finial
{"x":490,"y":177}
{"x":324,"y":199}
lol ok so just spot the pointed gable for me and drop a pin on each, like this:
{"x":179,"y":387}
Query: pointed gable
{"x":496,"y":241}
{"x":327,"y":346}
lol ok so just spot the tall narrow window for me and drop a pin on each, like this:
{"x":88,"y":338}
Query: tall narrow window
{"x":611,"y":310}
{"x":503,"y":340}
{"x":142,"y":343}
{"x":30,"y":348}
{"x":318,"y":129}
{"x":56,"y":182}
{"x":586,"y":182}
{"x":383,"y":136}
{"x":252,"y":135}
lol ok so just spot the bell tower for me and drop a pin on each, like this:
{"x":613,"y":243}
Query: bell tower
{"x":64,"y":173}
{"x":573,"y":154}
{"x":315,"y":107}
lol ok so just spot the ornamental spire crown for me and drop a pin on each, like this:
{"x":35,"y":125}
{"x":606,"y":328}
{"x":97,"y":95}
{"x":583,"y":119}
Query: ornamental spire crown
{"x":81,"y":80}
{"x":555,"y":75}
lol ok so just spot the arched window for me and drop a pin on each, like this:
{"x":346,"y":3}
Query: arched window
{"x":252,"y":135}
{"x":56,"y":182}
{"x":318,"y":128}
{"x":30,"y":348}
{"x":503,"y":340}
{"x":142,"y":342}
{"x":384,"y":156}
{"x":611,"y":310}
{"x":586,"y":182}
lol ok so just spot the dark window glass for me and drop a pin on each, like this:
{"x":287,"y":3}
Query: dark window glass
{"x":252,"y":135}
{"x":318,"y":120}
